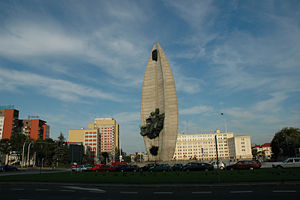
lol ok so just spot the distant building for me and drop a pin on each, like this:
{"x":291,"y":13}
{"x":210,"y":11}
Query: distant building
{"x":33,"y":128}
{"x":9,"y":119}
{"x":263,"y":151}
{"x":203,"y":146}
{"x":76,"y":152}
{"x":101,"y":136}
{"x":240,"y":147}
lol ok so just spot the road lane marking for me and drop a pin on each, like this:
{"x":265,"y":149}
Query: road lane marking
{"x":40,"y":189}
{"x":162,"y":192}
{"x":87,"y":189}
{"x":67,"y":190}
{"x":284,"y":191}
{"x":242,"y":191}
{"x":202,"y":192}
{"x":129,"y":192}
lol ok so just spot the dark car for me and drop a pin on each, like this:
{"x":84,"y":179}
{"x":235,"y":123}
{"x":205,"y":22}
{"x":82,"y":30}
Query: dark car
{"x":7,"y":168}
{"x":146,"y":167}
{"x":177,"y":167}
{"x":127,"y":168}
{"x":193,"y":166}
{"x":160,"y":168}
{"x":245,"y":164}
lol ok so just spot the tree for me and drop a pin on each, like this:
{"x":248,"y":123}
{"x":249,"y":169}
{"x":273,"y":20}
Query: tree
{"x":5,"y":149}
{"x":105,"y":156}
{"x":17,"y":141}
{"x":285,"y":142}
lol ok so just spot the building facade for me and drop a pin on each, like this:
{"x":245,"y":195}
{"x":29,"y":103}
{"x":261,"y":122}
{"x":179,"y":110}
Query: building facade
{"x":109,"y":133}
{"x":34,"y":128}
{"x":101,"y":136}
{"x":9,"y":121}
{"x":263,"y":151}
{"x":203,"y":146}
{"x":240,"y":147}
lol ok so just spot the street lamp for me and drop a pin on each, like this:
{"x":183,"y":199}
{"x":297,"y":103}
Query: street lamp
{"x":28,"y":153}
{"x":225,"y":124}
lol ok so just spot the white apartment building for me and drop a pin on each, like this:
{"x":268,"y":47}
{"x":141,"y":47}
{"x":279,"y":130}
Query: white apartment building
{"x":240,"y":147}
{"x":203,"y":146}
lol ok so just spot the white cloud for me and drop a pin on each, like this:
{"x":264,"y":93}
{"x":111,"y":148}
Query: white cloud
{"x":56,"y":88}
{"x":196,"y":110}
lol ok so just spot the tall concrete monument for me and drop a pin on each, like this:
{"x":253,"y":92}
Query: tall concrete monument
{"x":159,"y":107}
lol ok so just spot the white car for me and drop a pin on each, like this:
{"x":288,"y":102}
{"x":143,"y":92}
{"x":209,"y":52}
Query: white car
{"x":288,"y":163}
{"x":222,"y":165}
{"x":81,"y":168}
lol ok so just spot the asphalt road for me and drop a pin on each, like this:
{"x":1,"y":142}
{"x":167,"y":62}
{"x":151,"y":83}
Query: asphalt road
{"x":32,"y":171}
{"x":55,"y":191}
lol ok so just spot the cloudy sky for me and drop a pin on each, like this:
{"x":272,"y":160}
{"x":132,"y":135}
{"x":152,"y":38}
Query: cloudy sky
{"x":71,"y":61}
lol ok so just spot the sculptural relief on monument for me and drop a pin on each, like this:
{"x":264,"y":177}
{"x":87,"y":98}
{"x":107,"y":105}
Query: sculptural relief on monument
{"x":159,"y":107}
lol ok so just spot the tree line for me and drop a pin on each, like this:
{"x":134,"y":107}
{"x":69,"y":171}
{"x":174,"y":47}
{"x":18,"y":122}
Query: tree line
{"x":46,"y":152}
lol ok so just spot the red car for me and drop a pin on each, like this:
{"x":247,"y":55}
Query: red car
{"x":96,"y":167}
{"x":106,"y":168}
{"x":245,"y":164}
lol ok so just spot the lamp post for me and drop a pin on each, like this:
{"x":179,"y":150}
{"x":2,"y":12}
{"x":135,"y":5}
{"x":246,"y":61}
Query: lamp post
{"x":28,"y":153}
{"x":23,"y":163}
{"x":225,"y":123}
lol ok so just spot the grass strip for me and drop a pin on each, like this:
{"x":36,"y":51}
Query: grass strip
{"x":261,"y":175}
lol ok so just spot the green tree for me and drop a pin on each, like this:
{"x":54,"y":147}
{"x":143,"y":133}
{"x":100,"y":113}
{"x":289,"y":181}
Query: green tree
{"x":285,"y":143}
{"x":105,"y":157}
{"x":5,"y":149}
{"x":17,"y":141}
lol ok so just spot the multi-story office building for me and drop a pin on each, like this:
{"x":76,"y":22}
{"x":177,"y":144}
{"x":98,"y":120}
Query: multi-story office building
{"x":101,"y":136}
{"x":203,"y":146}
{"x":9,"y":120}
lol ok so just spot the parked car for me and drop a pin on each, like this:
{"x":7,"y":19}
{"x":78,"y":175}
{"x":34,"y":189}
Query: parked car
{"x":127,"y":168}
{"x":82,"y":168}
{"x":245,"y":164}
{"x":177,"y":167}
{"x":160,"y":168}
{"x":194,"y":166}
{"x":288,"y":163}
{"x":1,"y":168}
{"x":222,"y":165}
{"x":106,"y":168}
{"x":6,"y":168}
{"x":146,"y":167}
{"x":96,"y":167}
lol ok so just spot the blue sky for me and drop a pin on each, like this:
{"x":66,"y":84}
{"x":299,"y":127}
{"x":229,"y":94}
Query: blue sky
{"x":69,"y":61}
